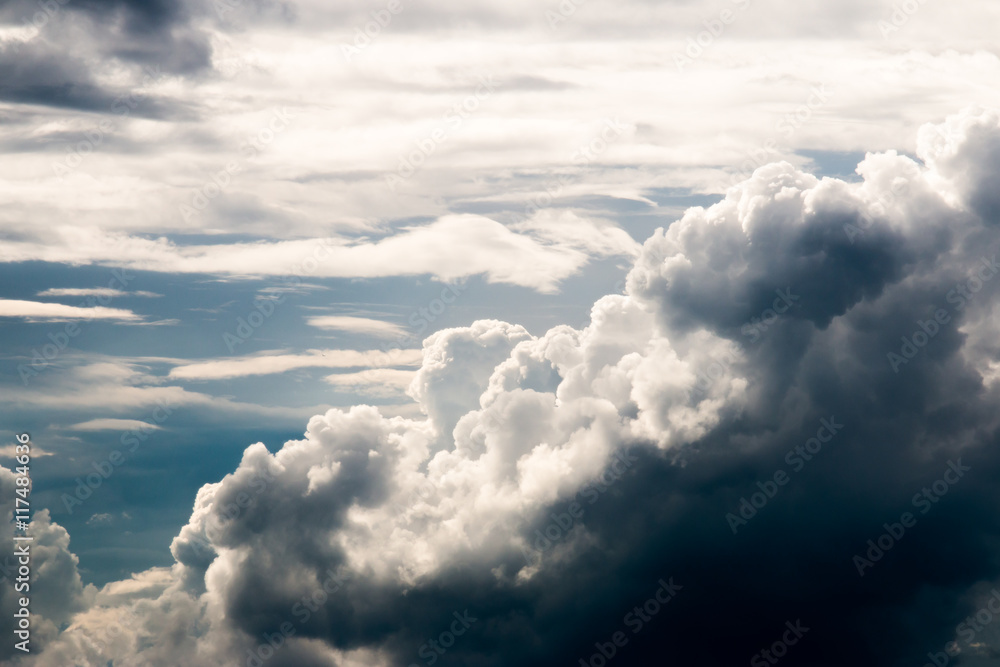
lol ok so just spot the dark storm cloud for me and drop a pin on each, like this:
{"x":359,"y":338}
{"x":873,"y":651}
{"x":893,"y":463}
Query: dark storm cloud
{"x":36,"y":74}
{"x":147,"y":33}
{"x":70,"y":43}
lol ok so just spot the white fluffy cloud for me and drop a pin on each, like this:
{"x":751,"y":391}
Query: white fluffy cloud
{"x":55,"y":588}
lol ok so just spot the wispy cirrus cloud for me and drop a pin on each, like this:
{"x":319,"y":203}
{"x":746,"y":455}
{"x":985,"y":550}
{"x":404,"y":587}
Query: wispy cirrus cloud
{"x":272,"y":364}
{"x":94,"y":291}
{"x":111,"y":424}
{"x":357,"y":325}
{"x":119,"y":389}
{"x":38,"y":311}
{"x":452,"y":247}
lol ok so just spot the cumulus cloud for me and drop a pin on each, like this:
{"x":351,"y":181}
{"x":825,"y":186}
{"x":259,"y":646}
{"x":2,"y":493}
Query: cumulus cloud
{"x":557,"y":478}
{"x":55,"y":588}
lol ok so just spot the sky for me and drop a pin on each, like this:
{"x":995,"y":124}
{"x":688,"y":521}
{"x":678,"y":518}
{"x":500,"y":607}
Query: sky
{"x":395,"y":333}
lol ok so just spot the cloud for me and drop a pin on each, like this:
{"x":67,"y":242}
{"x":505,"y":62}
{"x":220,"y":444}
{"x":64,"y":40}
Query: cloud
{"x":93,"y":291}
{"x":126,"y":390}
{"x":10,"y":451}
{"x":515,"y":150}
{"x":37,"y":311}
{"x":56,"y":590}
{"x":374,"y":383}
{"x":102,"y":519}
{"x":357,"y":325}
{"x":131,"y":32}
{"x":452,"y":247}
{"x":34,"y":74}
{"x":558,"y":478}
{"x":566,"y":227}
{"x":112,"y":425}
{"x":107,"y":519}
{"x":267,"y":364}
